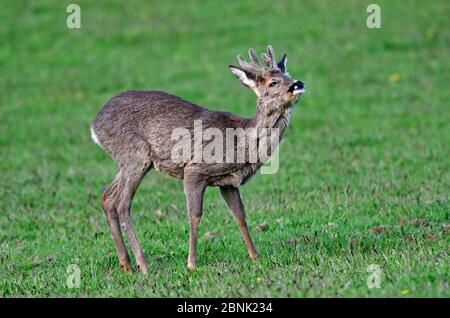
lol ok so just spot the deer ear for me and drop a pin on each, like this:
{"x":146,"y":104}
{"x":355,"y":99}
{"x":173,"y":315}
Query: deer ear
{"x":246,"y":78}
{"x":282,"y":64}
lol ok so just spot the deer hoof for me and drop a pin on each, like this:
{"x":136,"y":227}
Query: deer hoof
{"x":191,"y":266}
{"x":127,"y":267}
{"x":144,"y":268}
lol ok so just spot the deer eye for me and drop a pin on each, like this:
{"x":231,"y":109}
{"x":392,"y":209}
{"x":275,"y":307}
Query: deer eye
{"x":273,"y":84}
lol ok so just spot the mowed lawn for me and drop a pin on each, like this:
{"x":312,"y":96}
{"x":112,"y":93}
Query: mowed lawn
{"x":364,"y":174}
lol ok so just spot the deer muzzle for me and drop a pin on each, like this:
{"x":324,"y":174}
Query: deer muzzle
{"x":298,"y":87}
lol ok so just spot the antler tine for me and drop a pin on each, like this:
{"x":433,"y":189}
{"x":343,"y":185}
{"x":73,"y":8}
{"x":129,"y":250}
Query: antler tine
{"x":272,"y":56}
{"x":254,"y":66}
{"x":266,"y":59}
{"x":269,"y":58}
{"x":253,"y":57}
{"x":242,"y":61}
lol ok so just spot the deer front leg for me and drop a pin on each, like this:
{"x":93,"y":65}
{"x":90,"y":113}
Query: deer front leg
{"x":233,"y":199}
{"x":194,"y":194}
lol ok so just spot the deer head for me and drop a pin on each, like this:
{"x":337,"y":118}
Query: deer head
{"x":273,"y":85}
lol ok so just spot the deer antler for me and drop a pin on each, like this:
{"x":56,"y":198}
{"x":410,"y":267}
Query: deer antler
{"x":269,"y":58}
{"x":254,"y":66}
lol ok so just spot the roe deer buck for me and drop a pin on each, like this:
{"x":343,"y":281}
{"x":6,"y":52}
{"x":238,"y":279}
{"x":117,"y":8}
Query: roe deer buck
{"x":135,"y":129}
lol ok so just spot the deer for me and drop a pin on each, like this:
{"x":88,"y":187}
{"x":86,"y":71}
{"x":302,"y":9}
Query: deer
{"x":135,"y":127}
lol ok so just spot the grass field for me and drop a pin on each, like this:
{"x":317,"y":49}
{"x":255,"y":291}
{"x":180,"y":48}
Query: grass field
{"x":364,"y":174}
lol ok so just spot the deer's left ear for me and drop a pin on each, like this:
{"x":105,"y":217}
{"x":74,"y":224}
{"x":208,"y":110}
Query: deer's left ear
{"x":247,"y":79}
{"x":282,"y":64}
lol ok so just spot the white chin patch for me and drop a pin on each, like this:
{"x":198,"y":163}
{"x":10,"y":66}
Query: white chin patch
{"x":298,"y":91}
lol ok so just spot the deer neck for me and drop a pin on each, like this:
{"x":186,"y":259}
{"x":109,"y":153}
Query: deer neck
{"x":271,"y":119}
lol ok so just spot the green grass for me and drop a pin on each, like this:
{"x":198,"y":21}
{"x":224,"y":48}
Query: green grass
{"x":368,"y":146}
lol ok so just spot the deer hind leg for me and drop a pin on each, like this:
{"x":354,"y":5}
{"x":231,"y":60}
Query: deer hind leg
{"x":233,"y":199}
{"x":133,"y":173}
{"x":110,"y":200}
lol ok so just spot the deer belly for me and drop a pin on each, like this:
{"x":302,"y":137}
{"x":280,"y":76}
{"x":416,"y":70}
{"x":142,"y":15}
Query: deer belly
{"x":236,"y":178}
{"x":169,"y":167}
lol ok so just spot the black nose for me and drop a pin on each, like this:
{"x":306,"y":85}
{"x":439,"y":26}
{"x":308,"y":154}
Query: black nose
{"x":296,"y":85}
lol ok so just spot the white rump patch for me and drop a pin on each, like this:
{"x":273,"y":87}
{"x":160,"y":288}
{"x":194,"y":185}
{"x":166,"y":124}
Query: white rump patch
{"x":94,"y":137}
